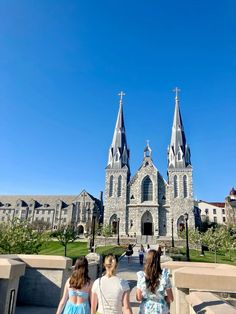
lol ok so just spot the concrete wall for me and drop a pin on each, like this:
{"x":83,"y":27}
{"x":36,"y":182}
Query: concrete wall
{"x":101,"y":241}
{"x":10,"y":272}
{"x":190,"y":276}
{"x":43,"y":279}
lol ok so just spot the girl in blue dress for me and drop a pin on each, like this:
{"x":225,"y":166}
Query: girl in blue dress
{"x":154,"y":286}
{"x":77,"y":289}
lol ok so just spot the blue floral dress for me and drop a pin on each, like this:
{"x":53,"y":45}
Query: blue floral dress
{"x":154,"y":303}
{"x":82,"y":308}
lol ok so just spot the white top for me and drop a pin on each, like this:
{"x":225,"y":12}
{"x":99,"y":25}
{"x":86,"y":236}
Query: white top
{"x":110,"y":294}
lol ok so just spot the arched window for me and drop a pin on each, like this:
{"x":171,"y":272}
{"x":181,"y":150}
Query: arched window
{"x":111,"y":186}
{"x":119,"y":186}
{"x":176,"y":191}
{"x":147,"y":189}
{"x":185,"y":186}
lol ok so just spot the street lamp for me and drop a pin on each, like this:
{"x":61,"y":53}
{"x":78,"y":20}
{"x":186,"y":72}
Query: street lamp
{"x":93,"y":233}
{"x":172,"y":232}
{"x":118,"y":231}
{"x":186,"y":228}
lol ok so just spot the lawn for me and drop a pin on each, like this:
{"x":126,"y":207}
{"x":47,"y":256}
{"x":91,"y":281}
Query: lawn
{"x":209,"y":257}
{"x":76,"y":249}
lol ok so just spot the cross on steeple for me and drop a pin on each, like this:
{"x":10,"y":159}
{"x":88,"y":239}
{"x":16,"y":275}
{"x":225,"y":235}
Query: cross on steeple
{"x":176,"y":90}
{"x":121,"y":94}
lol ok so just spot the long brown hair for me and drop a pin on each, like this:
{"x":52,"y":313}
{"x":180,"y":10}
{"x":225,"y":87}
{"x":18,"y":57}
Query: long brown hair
{"x":152,"y":270}
{"x":80,"y":277}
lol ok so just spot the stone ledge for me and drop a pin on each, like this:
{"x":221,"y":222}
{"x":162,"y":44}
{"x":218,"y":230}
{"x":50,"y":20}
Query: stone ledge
{"x":41,"y":261}
{"x":176,"y":265}
{"x":10,"y":269}
{"x":208,"y":279}
{"x":208,"y":303}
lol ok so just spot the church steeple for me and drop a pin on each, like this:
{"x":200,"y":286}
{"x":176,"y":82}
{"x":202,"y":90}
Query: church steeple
{"x":119,"y":152}
{"x":178,"y":151}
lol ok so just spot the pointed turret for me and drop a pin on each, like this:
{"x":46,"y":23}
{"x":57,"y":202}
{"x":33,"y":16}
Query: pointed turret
{"x":119,"y":152}
{"x":147,"y":155}
{"x":178,"y":151}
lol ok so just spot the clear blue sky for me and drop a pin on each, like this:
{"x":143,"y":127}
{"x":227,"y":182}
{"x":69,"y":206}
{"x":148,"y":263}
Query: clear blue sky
{"x":62,"y":64}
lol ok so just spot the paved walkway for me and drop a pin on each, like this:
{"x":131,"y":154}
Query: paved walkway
{"x":128,"y":271}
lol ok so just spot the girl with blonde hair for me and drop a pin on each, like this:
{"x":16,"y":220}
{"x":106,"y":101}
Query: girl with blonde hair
{"x":77,"y":290}
{"x":110,"y":293}
{"x":154,"y":286}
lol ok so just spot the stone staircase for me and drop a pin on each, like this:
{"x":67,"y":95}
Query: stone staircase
{"x":163,"y":241}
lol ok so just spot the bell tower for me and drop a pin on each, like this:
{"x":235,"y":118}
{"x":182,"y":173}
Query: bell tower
{"x":117,"y":177}
{"x":179,"y":173}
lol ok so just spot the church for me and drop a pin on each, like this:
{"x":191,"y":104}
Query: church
{"x":147,"y":203}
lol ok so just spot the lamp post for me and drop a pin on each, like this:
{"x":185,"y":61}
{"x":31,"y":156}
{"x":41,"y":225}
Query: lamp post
{"x":118,"y":231}
{"x":93,"y":233}
{"x":186,"y":228}
{"x":172,"y":232}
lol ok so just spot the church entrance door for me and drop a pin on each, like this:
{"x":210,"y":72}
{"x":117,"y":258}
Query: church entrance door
{"x":147,"y":224}
{"x":180,"y":223}
{"x":113,"y":223}
{"x":147,"y":228}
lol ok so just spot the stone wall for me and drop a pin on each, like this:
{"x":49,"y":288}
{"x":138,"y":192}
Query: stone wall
{"x":180,"y":205}
{"x":116,"y":205}
{"x":10,"y":273}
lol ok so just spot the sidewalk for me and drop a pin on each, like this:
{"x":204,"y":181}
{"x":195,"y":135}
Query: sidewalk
{"x":128,"y":272}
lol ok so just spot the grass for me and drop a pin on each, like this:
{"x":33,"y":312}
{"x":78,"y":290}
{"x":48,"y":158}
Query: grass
{"x":76,"y":249}
{"x":116,"y":250}
{"x":209,"y":257}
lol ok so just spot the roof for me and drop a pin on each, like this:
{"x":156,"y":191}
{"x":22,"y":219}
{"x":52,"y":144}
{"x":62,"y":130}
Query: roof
{"x":51,"y":200}
{"x":217,"y":204}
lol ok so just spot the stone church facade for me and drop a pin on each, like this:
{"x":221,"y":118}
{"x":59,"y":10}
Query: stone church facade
{"x":146,"y":203}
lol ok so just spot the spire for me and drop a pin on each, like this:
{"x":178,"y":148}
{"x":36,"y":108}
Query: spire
{"x":178,"y":151}
{"x":119,"y":152}
{"x":147,"y":150}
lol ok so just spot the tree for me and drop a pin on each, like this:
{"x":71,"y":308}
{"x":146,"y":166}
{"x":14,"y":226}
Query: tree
{"x":230,"y":239}
{"x":65,"y":235}
{"x":19,"y":237}
{"x":106,"y":232}
{"x":215,"y":239}
{"x":40,"y":225}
